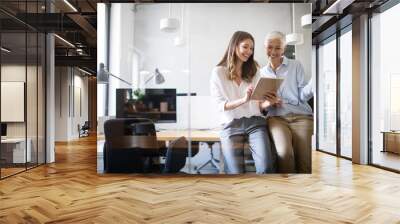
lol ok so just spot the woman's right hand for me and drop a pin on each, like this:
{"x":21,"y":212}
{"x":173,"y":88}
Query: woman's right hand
{"x":271,"y":99}
{"x":249,"y":91}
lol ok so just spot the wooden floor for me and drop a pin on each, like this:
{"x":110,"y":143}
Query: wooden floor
{"x":386,"y":159}
{"x":70,"y":191}
{"x":10,"y":171}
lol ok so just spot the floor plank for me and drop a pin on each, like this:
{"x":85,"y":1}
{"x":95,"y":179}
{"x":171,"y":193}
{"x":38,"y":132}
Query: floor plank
{"x":71,"y":191}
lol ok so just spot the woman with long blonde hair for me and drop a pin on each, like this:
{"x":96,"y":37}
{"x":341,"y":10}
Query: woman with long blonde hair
{"x":232,"y":83}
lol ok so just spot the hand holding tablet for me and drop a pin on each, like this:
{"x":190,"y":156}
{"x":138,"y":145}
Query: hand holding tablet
{"x":265,"y":87}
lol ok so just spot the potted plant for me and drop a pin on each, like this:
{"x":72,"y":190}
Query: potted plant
{"x":138,"y":96}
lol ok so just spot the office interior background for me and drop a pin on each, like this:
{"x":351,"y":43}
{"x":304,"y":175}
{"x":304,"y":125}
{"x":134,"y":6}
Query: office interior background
{"x":49,"y":86}
{"x":331,"y":55}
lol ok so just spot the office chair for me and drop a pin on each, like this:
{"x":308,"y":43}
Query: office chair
{"x":130,"y":144}
{"x":176,"y":155}
{"x":84,"y":130}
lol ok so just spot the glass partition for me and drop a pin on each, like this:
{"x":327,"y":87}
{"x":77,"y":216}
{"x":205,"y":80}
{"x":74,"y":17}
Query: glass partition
{"x":32,"y":98}
{"x":13,"y":95}
{"x":22,"y":91}
{"x":327,"y":96}
{"x":41,"y":97}
{"x":346,"y":94}
{"x":155,"y":62}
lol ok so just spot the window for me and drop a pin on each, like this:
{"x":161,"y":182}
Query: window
{"x":327,"y":97}
{"x":22,"y":65}
{"x":346,"y":94}
{"x":385,"y":85}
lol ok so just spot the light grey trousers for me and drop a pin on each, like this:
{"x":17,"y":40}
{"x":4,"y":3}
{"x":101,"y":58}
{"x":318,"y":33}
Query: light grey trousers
{"x":233,"y":138}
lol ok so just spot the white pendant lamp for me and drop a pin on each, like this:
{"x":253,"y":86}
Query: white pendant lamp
{"x":169,"y":24}
{"x":306,"y":21}
{"x":294,"y":38}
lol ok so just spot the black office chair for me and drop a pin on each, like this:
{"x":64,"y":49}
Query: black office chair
{"x":176,"y":155}
{"x":84,"y":129}
{"x":311,"y":103}
{"x":130,"y":144}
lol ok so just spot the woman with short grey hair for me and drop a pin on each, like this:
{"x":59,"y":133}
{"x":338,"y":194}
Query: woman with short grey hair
{"x":290,"y":120}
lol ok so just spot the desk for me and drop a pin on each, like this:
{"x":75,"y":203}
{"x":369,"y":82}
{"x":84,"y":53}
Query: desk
{"x":16,"y":153}
{"x":196,"y":136}
{"x":391,"y":141}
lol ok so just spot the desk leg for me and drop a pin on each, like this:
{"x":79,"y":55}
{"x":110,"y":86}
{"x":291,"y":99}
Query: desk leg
{"x":213,"y":161}
{"x":221,"y":160}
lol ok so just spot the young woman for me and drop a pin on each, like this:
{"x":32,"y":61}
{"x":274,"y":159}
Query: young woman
{"x":232,"y":83}
{"x":290,"y":121}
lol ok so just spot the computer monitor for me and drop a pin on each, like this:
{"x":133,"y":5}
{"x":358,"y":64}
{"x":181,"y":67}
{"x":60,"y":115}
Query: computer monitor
{"x":158,"y":105}
{"x":3,"y":129}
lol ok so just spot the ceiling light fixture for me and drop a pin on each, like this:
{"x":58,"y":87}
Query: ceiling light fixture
{"x":70,"y":5}
{"x":169,"y":24}
{"x":294,"y":38}
{"x":306,"y":21}
{"x":64,"y":40}
{"x":5,"y":50}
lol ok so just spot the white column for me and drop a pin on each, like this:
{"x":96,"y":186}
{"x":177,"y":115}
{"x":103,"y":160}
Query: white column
{"x":50,"y":99}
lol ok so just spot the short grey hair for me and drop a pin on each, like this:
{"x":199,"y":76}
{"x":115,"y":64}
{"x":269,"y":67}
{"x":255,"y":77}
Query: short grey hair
{"x":276,"y":35}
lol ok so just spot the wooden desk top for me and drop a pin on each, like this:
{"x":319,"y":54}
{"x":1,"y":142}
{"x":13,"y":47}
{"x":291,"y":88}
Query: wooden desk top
{"x":391,"y":132}
{"x":14,"y":140}
{"x":195,"y":135}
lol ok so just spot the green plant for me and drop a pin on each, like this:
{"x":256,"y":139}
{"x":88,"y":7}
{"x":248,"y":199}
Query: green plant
{"x":139,"y":94}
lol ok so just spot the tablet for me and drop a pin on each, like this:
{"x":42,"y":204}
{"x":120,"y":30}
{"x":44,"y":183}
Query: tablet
{"x":265,"y":85}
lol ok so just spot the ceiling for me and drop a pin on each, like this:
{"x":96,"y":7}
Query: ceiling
{"x":76,"y":23}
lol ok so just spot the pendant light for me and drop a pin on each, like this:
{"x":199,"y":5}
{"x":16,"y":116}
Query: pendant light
{"x":294,"y":38}
{"x":169,"y":24}
{"x":306,"y":21}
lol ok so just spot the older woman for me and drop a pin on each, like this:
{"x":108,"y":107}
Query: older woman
{"x":290,"y":121}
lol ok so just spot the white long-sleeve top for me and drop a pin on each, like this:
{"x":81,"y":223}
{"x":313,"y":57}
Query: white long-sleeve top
{"x":224,"y":90}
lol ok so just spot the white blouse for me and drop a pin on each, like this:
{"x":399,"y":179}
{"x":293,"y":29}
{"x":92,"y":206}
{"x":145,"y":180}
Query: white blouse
{"x":224,"y":90}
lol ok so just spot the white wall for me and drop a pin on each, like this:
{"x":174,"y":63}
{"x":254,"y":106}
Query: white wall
{"x":69,"y":81}
{"x":207,"y":29}
{"x":61,"y":103}
{"x":121,"y":48}
{"x":33,"y":125}
{"x":303,"y":51}
{"x":16,"y":73}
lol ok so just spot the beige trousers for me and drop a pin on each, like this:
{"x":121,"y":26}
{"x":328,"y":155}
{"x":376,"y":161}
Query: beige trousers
{"x":291,"y":135}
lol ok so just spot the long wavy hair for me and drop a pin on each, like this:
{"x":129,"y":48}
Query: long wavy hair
{"x":230,"y":59}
